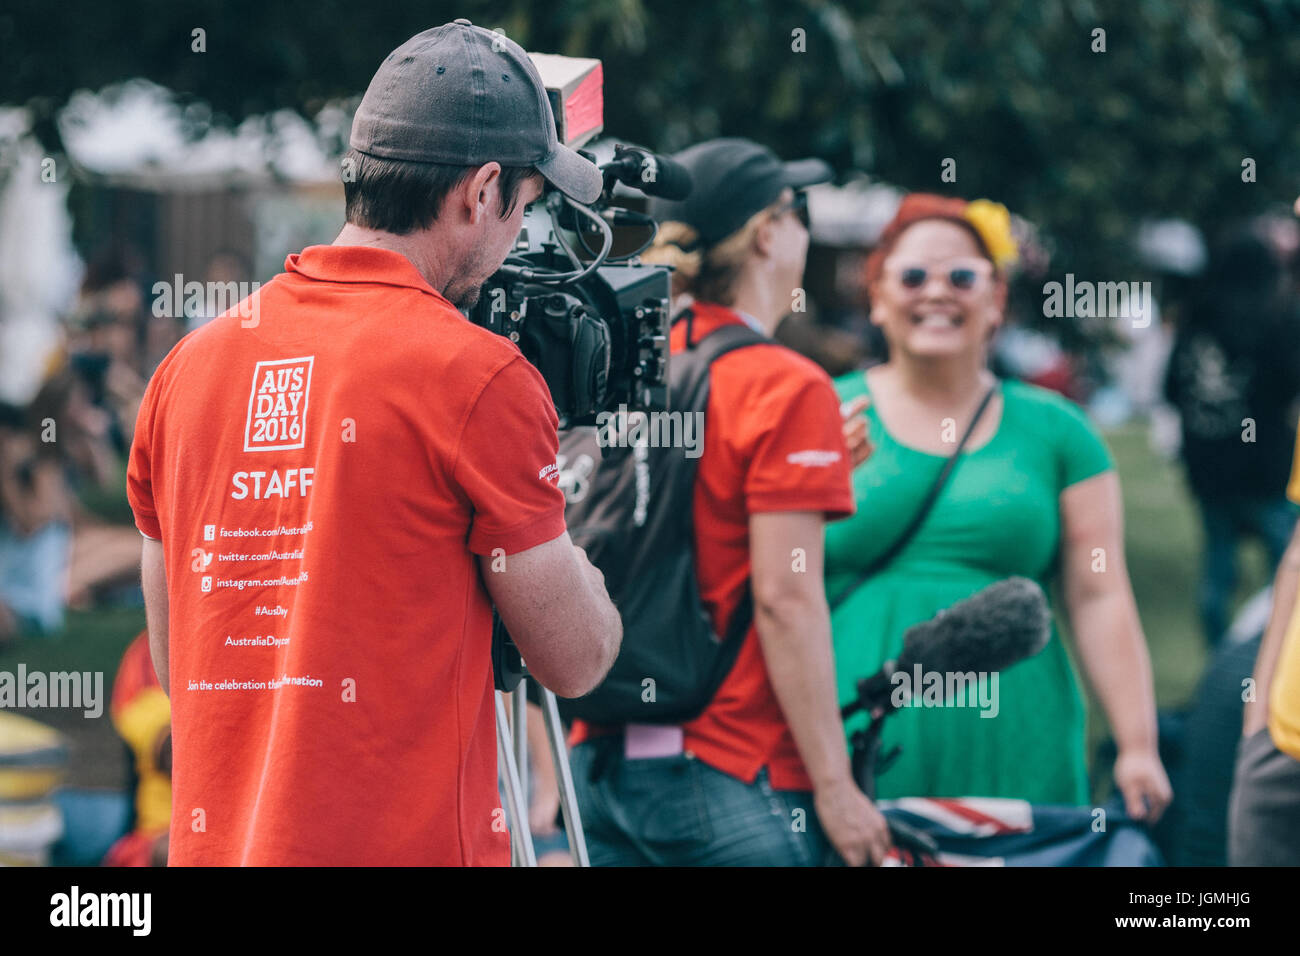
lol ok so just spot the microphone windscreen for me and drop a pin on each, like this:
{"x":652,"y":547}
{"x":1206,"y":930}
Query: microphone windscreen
{"x":671,"y":180}
{"x":988,"y":631}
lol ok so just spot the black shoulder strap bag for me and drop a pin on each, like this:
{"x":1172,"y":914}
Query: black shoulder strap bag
{"x":918,"y":519}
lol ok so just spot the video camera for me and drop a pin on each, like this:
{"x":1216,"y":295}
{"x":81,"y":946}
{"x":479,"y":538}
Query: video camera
{"x":594,"y":324}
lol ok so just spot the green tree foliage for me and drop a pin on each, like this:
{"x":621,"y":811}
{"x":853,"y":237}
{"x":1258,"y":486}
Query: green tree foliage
{"x":1083,"y":142}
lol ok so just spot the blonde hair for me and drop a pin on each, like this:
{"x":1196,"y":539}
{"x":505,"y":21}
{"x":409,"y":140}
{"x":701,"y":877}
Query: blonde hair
{"x":707,"y":274}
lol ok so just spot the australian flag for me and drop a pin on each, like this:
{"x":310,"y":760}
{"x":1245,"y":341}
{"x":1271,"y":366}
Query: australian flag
{"x":979,"y":831}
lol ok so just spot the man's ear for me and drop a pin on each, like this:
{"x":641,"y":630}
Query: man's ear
{"x":479,"y":191}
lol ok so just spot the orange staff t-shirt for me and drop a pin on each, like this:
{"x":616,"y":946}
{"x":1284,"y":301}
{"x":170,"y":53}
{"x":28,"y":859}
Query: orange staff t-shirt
{"x":322,"y":464}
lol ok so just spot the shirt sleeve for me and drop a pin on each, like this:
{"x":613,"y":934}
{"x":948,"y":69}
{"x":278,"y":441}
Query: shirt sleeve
{"x":506,"y":463}
{"x":798,"y":458}
{"x":1083,"y":450}
{"x":139,"y":469}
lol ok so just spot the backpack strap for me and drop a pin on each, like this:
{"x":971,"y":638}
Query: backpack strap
{"x":691,"y":391}
{"x":690,"y":367}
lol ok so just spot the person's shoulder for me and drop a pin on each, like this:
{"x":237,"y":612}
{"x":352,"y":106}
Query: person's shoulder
{"x":770,"y":364}
{"x":459,"y":339}
{"x":192,"y":346}
{"x":1053,"y":420}
{"x":769,"y":387}
{"x":445,"y":354}
{"x":422,"y":342}
{"x":1040,"y":403}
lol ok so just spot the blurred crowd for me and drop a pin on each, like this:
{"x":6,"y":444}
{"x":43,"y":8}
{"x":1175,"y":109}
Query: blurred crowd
{"x":66,"y":535}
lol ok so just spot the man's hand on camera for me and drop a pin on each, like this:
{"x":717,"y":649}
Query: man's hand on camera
{"x":855,"y":828}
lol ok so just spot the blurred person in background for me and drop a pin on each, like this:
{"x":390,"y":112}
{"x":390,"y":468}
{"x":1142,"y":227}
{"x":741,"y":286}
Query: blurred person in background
{"x":1233,"y":376}
{"x":77,"y":434}
{"x":112,"y":343}
{"x":105,"y":338}
{"x":141,"y":715}
{"x":1264,"y":809}
{"x":1034,"y":493}
{"x":726,"y":787}
{"x":35,"y":528}
{"x":61,"y":544}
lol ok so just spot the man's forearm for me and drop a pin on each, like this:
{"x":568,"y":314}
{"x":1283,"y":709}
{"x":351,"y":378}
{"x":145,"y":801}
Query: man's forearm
{"x":795,"y":637}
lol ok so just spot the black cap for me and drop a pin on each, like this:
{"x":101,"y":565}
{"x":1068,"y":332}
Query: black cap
{"x":733,"y":179}
{"x":464,"y":96}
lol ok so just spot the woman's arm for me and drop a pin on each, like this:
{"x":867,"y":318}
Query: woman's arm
{"x":1108,"y":636}
{"x":1255,"y":714}
{"x":794,"y":632}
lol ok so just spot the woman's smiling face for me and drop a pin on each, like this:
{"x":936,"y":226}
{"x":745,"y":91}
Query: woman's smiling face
{"x":937,"y":295}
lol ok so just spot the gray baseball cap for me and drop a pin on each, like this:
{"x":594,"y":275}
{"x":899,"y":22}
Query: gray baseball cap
{"x":462,"y":95}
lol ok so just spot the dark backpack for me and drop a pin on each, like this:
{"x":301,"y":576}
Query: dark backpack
{"x":631,"y":509}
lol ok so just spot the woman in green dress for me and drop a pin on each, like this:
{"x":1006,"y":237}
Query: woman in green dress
{"x":1034,"y":493}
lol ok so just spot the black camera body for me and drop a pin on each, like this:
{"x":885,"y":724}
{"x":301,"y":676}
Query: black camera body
{"x":601,"y":340}
{"x":594,"y":327}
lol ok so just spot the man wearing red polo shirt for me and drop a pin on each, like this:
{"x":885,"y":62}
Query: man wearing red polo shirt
{"x":338,"y":479}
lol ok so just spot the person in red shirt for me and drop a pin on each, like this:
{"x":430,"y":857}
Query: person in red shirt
{"x":142,"y":717}
{"x":337,"y":479}
{"x":762,"y":775}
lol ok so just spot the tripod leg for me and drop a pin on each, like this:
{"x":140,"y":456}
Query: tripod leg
{"x":521,"y":838}
{"x":519,"y":731}
{"x":564,"y":779}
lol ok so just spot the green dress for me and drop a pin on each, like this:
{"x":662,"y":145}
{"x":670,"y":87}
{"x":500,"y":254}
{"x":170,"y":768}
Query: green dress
{"x":998,"y":516}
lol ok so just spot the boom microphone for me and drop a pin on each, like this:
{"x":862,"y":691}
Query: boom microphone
{"x":992,"y":629}
{"x":649,"y":172}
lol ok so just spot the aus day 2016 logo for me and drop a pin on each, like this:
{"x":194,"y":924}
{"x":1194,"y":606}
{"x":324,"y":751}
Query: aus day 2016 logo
{"x":277,"y":405}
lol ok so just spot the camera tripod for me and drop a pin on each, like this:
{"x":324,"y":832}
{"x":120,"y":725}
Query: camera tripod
{"x":512,"y":755}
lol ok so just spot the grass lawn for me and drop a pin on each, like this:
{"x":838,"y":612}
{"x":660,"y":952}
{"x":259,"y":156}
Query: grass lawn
{"x":1163,"y":541}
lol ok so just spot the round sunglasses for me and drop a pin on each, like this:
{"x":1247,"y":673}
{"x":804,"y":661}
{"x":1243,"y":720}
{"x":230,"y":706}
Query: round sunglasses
{"x":961,"y":275}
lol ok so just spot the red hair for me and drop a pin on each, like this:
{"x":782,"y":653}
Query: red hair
{"x":915,"y":208}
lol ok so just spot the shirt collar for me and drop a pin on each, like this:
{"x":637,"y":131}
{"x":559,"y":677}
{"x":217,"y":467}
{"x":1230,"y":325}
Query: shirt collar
{"x":749,"y":320}
{"x":710,"y":313}
{"x":357,"y":264}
